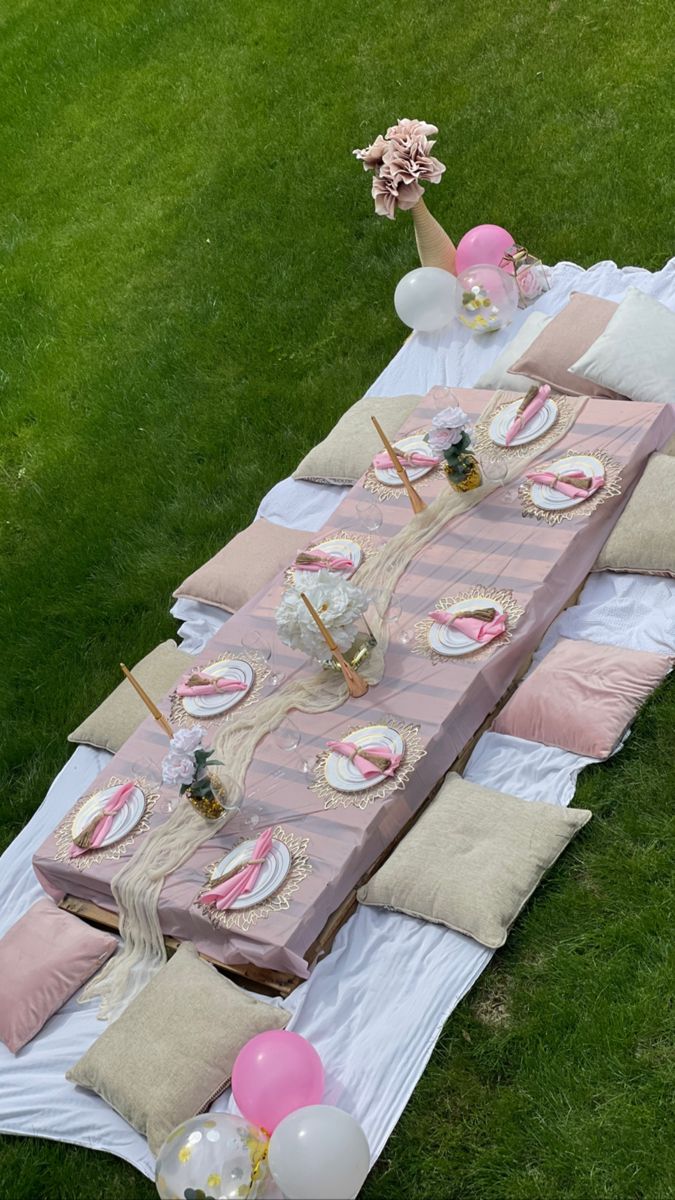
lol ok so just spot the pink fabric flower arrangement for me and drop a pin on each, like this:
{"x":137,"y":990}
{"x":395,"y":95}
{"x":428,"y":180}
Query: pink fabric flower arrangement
{"x":400,"y":162}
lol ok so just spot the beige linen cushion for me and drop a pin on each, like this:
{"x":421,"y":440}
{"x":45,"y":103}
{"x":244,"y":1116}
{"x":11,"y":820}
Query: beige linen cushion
{"x":347,"y":452}
{"x":245,"y":565}
{"x":110,"y":725}
{"x":635,"y":353}
{"x":570,"y":333}
{"x":473,"y":859}
{"x":643,"y":539}
{"x":669,"y":447}
{"x":496,"y":376}
{"x":171,"y":1052}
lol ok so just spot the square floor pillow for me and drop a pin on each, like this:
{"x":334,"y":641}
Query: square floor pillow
{"x":497,"y":376}
{"x":635,"y":354}
{"x":110,"y":725}
{"x":171,"y":1052}
{"x":550,"y":357}
{"x":582,"y":696}
{"x":643,"y":539}
{"x":347,"y":452}
{"x":473,"y":859}
{"x":245,"y":565}
{"x":45,"y":957}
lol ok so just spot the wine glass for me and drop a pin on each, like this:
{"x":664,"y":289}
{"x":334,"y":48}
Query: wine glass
{"x":369,"y":514}
{"x":494,"y":470}
{"x":288,"y":737}
{"x":252,"y":816}
{"x":255,"y":643}
{"x":406,"y":635}
{"x":398,"y":631}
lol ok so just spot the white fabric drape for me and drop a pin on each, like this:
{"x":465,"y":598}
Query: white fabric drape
{"x":377,"y":1051}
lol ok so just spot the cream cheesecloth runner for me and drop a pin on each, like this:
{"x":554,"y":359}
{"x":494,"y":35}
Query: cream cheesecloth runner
{"x":137,"y":887}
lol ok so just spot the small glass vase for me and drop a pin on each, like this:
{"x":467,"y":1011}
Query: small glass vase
{"x":358,"y":652}
{"x":464,"y":473}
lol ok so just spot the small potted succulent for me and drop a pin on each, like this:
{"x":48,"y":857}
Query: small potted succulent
{"x":450,"y":436}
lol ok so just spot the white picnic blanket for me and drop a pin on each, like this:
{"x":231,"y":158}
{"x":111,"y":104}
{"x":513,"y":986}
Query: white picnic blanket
{"x":374,"y":1039}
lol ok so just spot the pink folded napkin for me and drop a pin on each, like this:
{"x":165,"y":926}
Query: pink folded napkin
{"x":224,"y":894}
{"x":368,"y":769}
{"x":324,"y":562}
{"x":521,"y":419}
{"x":416,"y":459}
{"x":563,"y":483}
{"x":472,"y":627}
{"x":210,"y":687}
{"x":113,"y":805}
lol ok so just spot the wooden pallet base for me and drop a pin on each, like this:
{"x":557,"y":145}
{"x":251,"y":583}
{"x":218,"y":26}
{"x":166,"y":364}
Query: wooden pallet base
{"x":277,"y":983}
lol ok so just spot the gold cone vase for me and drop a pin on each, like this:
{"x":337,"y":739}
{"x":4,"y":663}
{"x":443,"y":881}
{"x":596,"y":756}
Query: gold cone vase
{"x":434,"y":246}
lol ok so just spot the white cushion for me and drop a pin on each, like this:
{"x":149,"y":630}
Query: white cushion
{"x":636,"y":353}
{"x":496,"y":375}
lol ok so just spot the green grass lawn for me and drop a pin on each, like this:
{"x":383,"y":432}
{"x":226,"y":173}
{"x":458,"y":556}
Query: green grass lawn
{"x":194,"y":287}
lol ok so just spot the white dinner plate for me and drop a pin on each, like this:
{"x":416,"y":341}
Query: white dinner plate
{"x":272,"y":873}
{"x":339,"y":546}
{"x":212,"y":706}
{"x":447,"y":640}
{"x":552,"y":501}
{"x":342,"y":775}
{"x":540,"y":423}
{"x":123,"y":822}
{"x":407,"y":445}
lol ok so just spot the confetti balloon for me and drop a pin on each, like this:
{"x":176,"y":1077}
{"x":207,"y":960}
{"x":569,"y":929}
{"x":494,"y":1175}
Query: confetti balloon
{"x":487,"y":298}
{"x":213,"y":1157}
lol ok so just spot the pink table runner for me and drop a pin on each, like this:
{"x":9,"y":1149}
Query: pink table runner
{"x":492,"y":545}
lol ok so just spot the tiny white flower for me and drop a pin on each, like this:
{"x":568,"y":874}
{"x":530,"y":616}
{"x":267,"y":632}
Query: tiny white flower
{"x":178,"y":769}
{"x":186,"y":741}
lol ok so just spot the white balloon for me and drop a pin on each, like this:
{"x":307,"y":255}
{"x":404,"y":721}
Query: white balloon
{"x":425,"y":299}
{"x":319,"y":1153}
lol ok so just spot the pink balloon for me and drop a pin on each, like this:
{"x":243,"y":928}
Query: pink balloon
{"x":273,"y":1074}
{"x":484,"y":244}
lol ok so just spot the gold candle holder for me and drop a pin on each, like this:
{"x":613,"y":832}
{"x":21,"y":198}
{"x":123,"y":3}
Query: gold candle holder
{"x":149,"y":704}
{"x":415,"y":499}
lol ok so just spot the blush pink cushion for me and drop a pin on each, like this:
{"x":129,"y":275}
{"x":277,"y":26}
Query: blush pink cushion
{"x":563,"y":341}
{"x":245,"y":565}
{"x":44,"y":958}
{"x":582,"y":696}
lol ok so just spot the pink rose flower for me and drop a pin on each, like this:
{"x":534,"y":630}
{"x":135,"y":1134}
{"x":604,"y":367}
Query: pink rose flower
{"x":178,"y":769}
{"x":450,"y":418}
{"x":440,"y":440}
{"x":410,"y":128}
{"x":400,"y":162}
{"x":385,"y":195}
{"x":372,"y":156}
{"x":408,"y":195}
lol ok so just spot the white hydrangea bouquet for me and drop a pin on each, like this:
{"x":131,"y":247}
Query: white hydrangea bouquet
{"x":339,"y":603}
